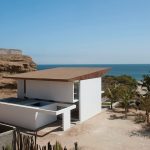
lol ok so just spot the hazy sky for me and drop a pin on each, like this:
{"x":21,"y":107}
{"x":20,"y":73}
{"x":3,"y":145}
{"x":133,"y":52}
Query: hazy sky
{"x":77,"y":31}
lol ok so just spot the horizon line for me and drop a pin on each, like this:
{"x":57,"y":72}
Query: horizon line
{"x":96,"y":64}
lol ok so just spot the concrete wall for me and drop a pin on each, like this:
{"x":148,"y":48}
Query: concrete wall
{"x":43,"y":119}
{"x":90,"y":98}
{"x":27,"y":118}
{"x":47,"y":90}
{"x":66,"y":122}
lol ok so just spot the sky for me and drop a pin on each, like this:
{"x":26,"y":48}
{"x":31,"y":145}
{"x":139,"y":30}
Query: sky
{"x":78,"y":31}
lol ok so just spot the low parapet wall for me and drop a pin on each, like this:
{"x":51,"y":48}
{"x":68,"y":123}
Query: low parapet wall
{"x":10,"y":51}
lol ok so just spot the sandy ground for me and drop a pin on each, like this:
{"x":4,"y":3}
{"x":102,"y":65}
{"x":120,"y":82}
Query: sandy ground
{"x":97,"y":133}
{"x":103,"y":133}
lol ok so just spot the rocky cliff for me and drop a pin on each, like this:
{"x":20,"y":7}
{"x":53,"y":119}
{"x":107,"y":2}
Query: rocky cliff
{"x":12,"y":63}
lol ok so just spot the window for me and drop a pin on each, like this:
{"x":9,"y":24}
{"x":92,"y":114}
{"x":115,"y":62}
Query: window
{"x":76,"y":90}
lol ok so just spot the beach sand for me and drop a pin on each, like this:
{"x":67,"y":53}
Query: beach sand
{"x":102,"y":133}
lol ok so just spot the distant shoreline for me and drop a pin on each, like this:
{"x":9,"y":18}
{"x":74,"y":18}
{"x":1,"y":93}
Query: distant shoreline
{"x":135,"y":70}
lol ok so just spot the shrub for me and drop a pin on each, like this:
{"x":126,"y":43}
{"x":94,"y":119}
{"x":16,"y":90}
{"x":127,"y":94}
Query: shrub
{"x":140,"y":118}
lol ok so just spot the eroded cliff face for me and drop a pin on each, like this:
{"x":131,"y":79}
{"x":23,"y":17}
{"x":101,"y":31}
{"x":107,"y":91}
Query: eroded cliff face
{"x":12,"y":64}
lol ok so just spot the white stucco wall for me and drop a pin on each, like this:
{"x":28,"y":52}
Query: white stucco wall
{"x":26,"y":118}
{"x":66,"y":122}
{"x":90,"y":98}
{"x":47,"y":90}
{"x":42,"y":119}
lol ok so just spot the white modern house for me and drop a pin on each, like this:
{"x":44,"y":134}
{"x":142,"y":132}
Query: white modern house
{"x":45,"y":94}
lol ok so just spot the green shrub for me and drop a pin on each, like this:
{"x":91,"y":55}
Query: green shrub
{"x":140,"y":118}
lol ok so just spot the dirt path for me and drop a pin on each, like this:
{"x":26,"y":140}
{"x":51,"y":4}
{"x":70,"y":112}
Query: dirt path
{"x":102,"y":133}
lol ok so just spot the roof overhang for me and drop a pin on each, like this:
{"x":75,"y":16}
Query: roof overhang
{"x":62,"y":74}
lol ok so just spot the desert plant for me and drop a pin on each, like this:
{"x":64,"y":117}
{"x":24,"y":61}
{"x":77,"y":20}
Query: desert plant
{"x":145,"y":105}
{"x":112,"y":94}
{"x":139,"y":118}
{"x":126,"y":94}
{"x":76,"y":146}
{"x":26,"y":142}
{"x":123,"y":80}
{"x":112,"y":86}
{"x":145,"y":98}
{"x":146,"y":82}
{"x":57,"y":146}
{"x":8,"y":147}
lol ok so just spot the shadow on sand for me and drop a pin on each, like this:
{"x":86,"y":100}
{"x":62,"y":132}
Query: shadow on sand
{"x":144,"y":132}
{"x":119,"y":114}
{"x":114,"y":117}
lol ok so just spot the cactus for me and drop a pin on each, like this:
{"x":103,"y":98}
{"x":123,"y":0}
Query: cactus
{"x":76,"y":146}
{"x":57,"y":146}
{"x":25,"y":142}
{"x":8,"y":147}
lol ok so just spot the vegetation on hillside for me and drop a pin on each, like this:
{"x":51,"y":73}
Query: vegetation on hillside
{"x":123,"y":89}
{"x":145,"y":98}
{"x":118,"y":87}
{"x":126,"y":94}
{"x":124,"y":80}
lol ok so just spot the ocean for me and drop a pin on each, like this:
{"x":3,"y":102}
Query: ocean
{"x":135,"y":70}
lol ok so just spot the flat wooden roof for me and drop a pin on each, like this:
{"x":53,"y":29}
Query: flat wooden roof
{"x":62,"y":74}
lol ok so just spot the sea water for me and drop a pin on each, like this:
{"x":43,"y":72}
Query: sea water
{"x":135,"y":70}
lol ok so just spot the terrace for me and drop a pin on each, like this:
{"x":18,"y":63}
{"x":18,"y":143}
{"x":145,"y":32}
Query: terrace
{"x":32,"y":113}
